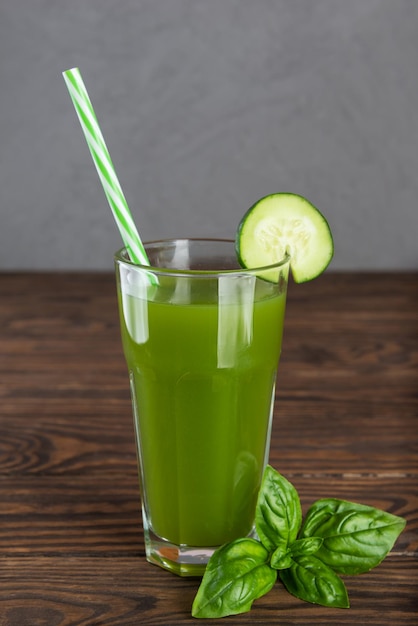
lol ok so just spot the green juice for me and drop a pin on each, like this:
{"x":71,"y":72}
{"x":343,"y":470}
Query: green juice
{"x":202,"y":381}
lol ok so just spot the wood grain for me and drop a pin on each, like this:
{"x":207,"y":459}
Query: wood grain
{"x":122,"y":591}
{"x":346,"y":425}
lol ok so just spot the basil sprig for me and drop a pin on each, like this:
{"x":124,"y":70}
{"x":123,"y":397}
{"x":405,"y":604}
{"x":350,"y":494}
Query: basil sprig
{"x":336,"y":537}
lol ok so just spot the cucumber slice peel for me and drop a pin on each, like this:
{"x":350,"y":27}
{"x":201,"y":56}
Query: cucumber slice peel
{"x":280,"y":224}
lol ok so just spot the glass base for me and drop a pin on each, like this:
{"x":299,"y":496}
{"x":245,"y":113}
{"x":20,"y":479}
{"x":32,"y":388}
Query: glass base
{"x":183,"y":560}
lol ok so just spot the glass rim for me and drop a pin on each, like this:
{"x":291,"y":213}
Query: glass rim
{"x":171,"y":271}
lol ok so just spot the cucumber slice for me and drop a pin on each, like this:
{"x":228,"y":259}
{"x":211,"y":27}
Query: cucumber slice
{"x":285,"y":223}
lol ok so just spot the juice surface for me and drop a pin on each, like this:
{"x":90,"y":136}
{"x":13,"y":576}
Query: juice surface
{"x":202,"y":383}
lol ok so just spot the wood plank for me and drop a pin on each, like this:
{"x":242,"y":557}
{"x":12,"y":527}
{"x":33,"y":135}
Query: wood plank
{"x":122,"y":591}
{"x":44,"y":435}
{"x":90,"y":514}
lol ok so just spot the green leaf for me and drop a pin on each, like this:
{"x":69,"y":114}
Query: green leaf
{"x":237,"y":574}
{"x":336,"y":537}
{"x":356,"y":537}
{"x":308,"y":545}
{"x":281,"y":557}
{"x":311,"y":580}
{"x":278,"y":513}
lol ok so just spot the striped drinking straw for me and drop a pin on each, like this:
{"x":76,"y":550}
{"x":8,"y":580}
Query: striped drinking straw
{"x":104,"y":166}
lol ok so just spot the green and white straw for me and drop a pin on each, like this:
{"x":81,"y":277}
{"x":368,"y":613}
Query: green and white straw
{"x":104,"y":166}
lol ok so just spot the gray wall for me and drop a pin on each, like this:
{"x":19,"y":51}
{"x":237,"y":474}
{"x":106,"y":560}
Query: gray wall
{"x":207,"y":105}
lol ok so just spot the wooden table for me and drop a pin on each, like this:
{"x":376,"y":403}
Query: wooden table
{"x":346,"y":426}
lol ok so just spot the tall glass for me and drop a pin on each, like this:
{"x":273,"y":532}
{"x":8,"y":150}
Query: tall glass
{"x":202,"y":339}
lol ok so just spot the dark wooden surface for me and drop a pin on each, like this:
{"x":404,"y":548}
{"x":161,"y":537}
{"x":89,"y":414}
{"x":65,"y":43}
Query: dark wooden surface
{"x":346,"y":425}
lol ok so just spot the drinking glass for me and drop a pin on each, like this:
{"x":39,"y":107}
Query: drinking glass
{"x":202,"y":339}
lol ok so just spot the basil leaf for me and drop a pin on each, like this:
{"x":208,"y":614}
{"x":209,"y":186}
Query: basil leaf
{"x":281,"y":557}
{"x":278,"y":514}
{"x":237,"y":574}
{"x":308,"y":545}
{"x":356,"y":537}
{"x":311,"y":580}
